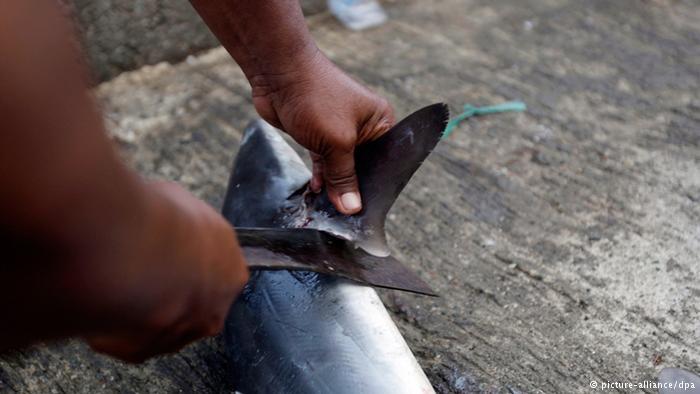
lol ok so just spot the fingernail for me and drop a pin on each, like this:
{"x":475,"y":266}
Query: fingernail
{"x":351,"y":201}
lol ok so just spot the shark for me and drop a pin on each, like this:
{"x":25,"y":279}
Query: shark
{"x":309,"y":320}
{"x":675,"y":381}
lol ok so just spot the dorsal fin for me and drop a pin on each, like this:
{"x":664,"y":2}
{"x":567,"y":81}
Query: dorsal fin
{"x":384,"y":167}
{"x":267,"y":172}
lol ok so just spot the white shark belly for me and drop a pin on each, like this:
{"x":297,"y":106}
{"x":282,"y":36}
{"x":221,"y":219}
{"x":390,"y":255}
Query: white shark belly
{"x":310,"y":333}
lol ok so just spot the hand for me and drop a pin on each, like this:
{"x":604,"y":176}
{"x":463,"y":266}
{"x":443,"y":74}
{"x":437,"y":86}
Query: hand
{"x":329,"y":113}
{"x":183,"y":285}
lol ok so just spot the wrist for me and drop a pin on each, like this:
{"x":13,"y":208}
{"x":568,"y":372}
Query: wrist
{"x":278,"y":74}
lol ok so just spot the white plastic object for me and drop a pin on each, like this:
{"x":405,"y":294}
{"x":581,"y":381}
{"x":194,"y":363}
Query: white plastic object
{"x":358,"y":14}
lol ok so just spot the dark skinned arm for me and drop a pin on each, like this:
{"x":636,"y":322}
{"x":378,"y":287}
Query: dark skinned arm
{"x":89,"y":248}
{"x":297,"y":89}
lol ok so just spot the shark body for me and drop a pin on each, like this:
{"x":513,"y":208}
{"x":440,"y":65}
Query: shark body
{"x":307,"y":332}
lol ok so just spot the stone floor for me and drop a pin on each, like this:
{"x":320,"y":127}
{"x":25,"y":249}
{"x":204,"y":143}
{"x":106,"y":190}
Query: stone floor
{"x":564,"y":240}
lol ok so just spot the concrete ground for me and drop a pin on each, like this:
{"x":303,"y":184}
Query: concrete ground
{"x":564,"y":241}
{"x":122,"y":35}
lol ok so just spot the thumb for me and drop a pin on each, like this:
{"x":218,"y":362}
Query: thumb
{"x":341,"y":181}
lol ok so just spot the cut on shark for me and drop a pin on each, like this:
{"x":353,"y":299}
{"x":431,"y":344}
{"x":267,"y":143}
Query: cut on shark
{"x":303,"y":324}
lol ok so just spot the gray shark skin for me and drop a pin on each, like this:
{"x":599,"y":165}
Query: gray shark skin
{"x":305,"y":332}
{"x":676,"y":381}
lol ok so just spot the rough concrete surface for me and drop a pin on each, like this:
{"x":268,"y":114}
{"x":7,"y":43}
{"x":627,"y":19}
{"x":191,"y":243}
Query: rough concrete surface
{"x":564,"y":241}
{"x":121,"y":35}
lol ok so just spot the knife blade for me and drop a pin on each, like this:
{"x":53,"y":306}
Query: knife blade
{"x":319,"y":251}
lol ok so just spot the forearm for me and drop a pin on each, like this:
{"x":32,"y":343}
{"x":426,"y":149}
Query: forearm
{"x":298,"y":90}
{"x":266,"y":38}
{"x":69,"y":209}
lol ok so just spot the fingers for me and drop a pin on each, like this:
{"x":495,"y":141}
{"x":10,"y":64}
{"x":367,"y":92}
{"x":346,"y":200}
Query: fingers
{"x":329,"y":113}
{"x":162,"y":336}
{"x":136,"y":346}
{"x":188,"y":276}
{"x":341,"y":181}
{"x":381,"y":120}
{"x":119,"y":347}
{"x":139,"y":349}
{"x":316,"y":173}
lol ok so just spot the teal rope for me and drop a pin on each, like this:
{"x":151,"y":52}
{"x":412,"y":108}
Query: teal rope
{"x":470,"y":110}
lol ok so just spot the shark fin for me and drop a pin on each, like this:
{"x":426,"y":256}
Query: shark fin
{"x":384,"y":167}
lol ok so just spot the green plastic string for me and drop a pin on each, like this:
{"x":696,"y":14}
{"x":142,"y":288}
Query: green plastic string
{"x":470,"y":110}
